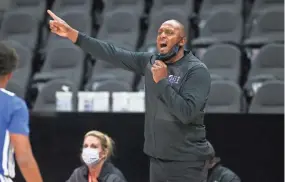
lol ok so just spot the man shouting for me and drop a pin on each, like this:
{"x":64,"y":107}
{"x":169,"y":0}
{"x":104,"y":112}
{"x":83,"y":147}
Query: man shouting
{"x":177,"y":85}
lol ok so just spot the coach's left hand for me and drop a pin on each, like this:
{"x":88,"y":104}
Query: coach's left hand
{"x":159,"y":71}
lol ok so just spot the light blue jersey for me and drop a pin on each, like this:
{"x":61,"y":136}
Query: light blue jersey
{"x":14,"y":118}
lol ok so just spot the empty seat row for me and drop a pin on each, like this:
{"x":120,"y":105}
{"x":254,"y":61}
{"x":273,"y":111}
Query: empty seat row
{"x":137,"y":6}
{"x":209,"y":7}
{"x":27,"y":33}
{"x":37,"y":8}
{"x":267,"y":65}
{"x":269,"y":98}
{"x":64,"y":59}
{"x":212,"y":30}
{"x":269,"y":27}
{"x":121,"y":28}
{"x":259,"y":7}
{"x":224,"y":61}
{"x":21,"y":27}
{"x":64,"y":6}
{"x":47,"y":98}
{"x":227,"y":96}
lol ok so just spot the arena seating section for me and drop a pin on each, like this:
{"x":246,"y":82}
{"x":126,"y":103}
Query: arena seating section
{"x":241,"y":42}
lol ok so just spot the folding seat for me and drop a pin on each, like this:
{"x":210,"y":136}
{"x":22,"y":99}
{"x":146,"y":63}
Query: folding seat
{"x":46,"y":99}
{"x":224,"y":61}
{"x":208,"y":7}
{"x":102,"y":68}
{"x":4,"y":6}
{"x":124,"y":33}
{"x":111,"y":86}
{"x":225,"y":97}
{"x":21,"y":27}
{"x":21,"y":76}
{"x":269,"y":99}
{"x":186,"y":6}
{"x":110,"y":74}
{"x":136,"y":6}
{"x":229,"y":30}
{"x":268,"y":28}
{"x":64,"y":6}
{"x":62,"y":61}
{"x":268,"y":65}
{"x":155,"y":22}
{"x":261,"y":6}
{"x":37,"y":8}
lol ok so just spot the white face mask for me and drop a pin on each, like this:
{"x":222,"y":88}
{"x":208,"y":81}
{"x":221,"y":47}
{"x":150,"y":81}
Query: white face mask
{"x":90,"y":156}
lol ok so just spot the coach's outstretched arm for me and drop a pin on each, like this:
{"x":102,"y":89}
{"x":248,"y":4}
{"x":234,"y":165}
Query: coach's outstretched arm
{"x":133,"y":61}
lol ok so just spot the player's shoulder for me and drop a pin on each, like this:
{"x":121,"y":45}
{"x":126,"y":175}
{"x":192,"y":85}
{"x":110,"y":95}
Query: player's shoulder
{"x":5,"y":93}
{"x":12,"y":98}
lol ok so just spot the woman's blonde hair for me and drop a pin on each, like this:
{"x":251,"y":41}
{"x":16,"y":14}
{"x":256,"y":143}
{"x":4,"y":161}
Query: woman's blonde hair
{"x":106,"y":142}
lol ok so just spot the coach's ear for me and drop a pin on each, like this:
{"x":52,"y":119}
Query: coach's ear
{"x":183,"y":41}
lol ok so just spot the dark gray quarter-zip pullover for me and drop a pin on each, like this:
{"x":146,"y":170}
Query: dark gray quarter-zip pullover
{"x":174,"y":119}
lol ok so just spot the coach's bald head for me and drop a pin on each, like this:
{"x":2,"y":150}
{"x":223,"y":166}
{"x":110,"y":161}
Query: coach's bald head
{"x":170,"y":33}
{"x":177,"y":25}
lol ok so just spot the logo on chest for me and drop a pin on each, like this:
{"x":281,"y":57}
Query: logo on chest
{"x":172,"y":79}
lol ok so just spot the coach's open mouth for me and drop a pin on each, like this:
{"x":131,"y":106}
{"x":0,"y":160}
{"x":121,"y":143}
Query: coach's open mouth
{"x":163,"y":48}
{"x":163,"y":45}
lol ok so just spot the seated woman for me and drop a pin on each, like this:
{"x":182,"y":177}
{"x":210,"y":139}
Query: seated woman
{"x":97,"y":149}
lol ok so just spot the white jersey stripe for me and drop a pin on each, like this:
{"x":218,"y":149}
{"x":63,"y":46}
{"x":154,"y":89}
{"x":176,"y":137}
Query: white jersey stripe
{"x":11,"y":161}
{"x":4,"y":179}
{"x":5,"y":154}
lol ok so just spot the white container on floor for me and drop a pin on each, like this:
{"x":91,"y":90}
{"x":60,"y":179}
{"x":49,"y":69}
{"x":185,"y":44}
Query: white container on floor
{"x":93,"y":102}
{"x":63,"y":101}
{"x":120,"y":102}
{"x":137,"y":101}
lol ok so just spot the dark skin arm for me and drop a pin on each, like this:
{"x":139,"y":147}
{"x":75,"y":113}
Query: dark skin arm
{"x":25,"y":158}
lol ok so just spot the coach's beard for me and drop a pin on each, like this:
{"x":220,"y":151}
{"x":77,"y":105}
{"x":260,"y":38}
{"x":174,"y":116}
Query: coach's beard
{"x":165,"y":57}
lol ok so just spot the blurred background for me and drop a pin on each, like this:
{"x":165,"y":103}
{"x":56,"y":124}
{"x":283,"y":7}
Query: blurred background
{"x":241,"y":42}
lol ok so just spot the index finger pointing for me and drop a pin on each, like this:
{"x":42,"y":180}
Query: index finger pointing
{"x":53,"y":15}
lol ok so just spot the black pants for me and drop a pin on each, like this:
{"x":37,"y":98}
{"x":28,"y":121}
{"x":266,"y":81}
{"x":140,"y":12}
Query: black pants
{"x":177,"y":171}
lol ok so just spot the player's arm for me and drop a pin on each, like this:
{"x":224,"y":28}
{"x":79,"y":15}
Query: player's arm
{"x":19,"y":136}
{"x":25,"y":158}
{"x":133,"y":61}
{"x":187,"y":105}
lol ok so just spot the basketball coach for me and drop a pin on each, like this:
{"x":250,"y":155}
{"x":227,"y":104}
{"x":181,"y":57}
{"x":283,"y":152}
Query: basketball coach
{"x":177,"y":85}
